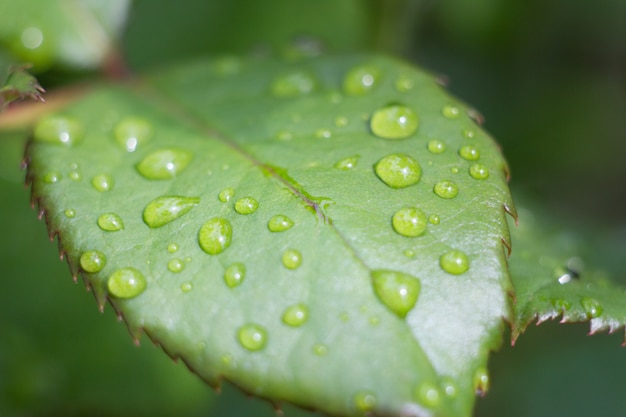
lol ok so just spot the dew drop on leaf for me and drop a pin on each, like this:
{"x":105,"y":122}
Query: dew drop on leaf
{"x":292,"y":258}
{"x":320,"y":349}
{"x":294,"y":84}
{"x":279,"y":223}
{"x":51,"y":177}
{"x":397,"y":290}
{"x":409,"y":221}
{"x":398,"y":170}
{"x":110,"y":222}
{"x":252,"y":336}
{"x":341,"y":121}
{"x":226,"y":194}
{"x":296,"y":315}
{"x":163,"y":210}
{"x":436,"y":146}
{"x":175,"y":265}
{"x":361,"y":80}
{"x":428,"y":395}
{"x":446,"y":189}
{"x":59,"y":130}
{"x":479,"y":171}
{"x":323,"y":134}
{"x":164,"y":164}
{"x":592,"y":307}
{"x":246,"y":205}
{"x":394,"y":122}
{"x":434,"y":219}
{"x":450,"y":112}
{"x":364,"y":401}
{"x":234,"y":274}
{"x":404,"y":83}
{"x":75,"y":176}
{"x":132,"y":132}
{"x":126,"y":283}
{"x":454,"y":262}
{"x":186,"y":286}
{"x":347,"y":163}
{"x":70,"y":213}
{"x":469,"y":153}
{"x":102,"y":182}
{"x":449,"y":387}
{"x":92,"y":261}
{"x":172,"y":247}
{"x":481,"y":381}
{"x":468,"y":134}
{"x":215,"y":235}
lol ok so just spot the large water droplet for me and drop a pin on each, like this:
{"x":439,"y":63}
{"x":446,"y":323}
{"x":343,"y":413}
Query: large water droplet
{"x":398,"y":170}
{"x":226,"y":194}
{"x":59,"y":130}
{"x":234,"y":274}
{"x":132,"y":132}
{"x":296,"y":315}
{"x":347,"y":163}
{"x":592,"y":307}
{"x":479,"y":171}
{"x":215,"y":235}
{"x":279,"y":223}
{"x":246,"y":205}
{"x":394,"y":122}
{"x":292,"y":258}
{"x":102,"y":182}
{"x":92,"y":261}
{"x":397,"y":290}
{"x":126,"y":283}
{"x":428,"y":394}
{"x":436,"y":146}
{"x":469,"y":152}
{"x":110,"y":222}
{"x":361,"y":80}
{"x":454,"y":262}
{"x":163,"y":210}
{"x":175,"y":265}
{"x":446,"y":189}
{"x":409,"y":221}
{"x":364,"y":401}
{"x":294,"y":84}
{"x":164,"y":164}
{"x":481,"y":381}
{"x":252,"y":336}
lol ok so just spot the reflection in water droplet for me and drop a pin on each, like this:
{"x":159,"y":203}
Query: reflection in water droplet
{"x":404,"y":83}
{"x":397,"y":290}
{"x":398,"y":170}
{"x":164,"y":164}
{"x":347,"y":163}
{"x":296,"y":315}
{"x":226,"y":194}
{"x":92,"y":261}
{"x":409,"y":222}
{"x":449,"y":387}
{"x":360,"y":80}
{"x":454,"y":262}
{"x":364,"y":401}
{"x":454,"y":170}
{"x":110,"y":222}
{"x":163,"y":210}
{"x":175,"y":265}
{"x":592,"y":307}
{"x":102,"y":182}
{"x":436,"y":146}
{"x":446,"y":189}
{"x":51,"y":177}
{"x":234,"y":274}
{"x":252,"y":336}
{"x":468,"y":134}
{"x":481,"y":381}
{"x":75,"y":176}
{"x":292,"y":258}
{"x":215,"y":235}
{"x":70,"y":213}
{"x":450,"y":112}
{"x":294,"y":84}
{"x":59,"y":130}
{"x":246,"y":205}
{"x":479,"y":171}
{"x":172,"y":247}
{"x":469,"y":152}
{"x":428,"y":395}
{"x":323,"y":133}
{"x":132,"y":132}
{"x":279,"y":223}
{"x":394,"y":122}
{"x":126,"y":283}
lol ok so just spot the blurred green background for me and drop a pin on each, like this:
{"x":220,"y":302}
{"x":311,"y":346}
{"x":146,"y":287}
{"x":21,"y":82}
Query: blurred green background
{"x":550,"y":78}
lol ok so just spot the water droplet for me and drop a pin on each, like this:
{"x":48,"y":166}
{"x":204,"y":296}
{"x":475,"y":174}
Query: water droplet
{"x":449,"y":387}
{"x":450,"y":112}
{"x":32,"y":37}
{"x":284,"y":135}
{"x":446,"y":189}
{"x":436,"y":146}
{"x":132,"y":132}
{"x":479,"y":171}
{"x":186,"y":286}
{"x":561,"y":304}
{"x":215,"y":235}
{"x":294,"y":84}
{"x":70,"y":213}
{"x":374,"y":320}
{"x":126,"y":283}
{"x":364,"y":401}
{"x":246,"y":205}
{"x":454,"y":262}
{"x":468,"y":134}
{"x":175,"y":265}
{"x":361,"y":80}
{"x":347,"y":163}
{"x":341,"y":121}
{"x":454,"y":170}
{"x":404,"y":83}
{"x":592,"y":307}
{"x":428,"y":395}
{"x":394,"y":122}
{"x":279,"y":223}
{"x":292,"y":258}
{"x":434,"y":219}
{"x":481,"y":381}
{"x":296,"y":315}
{"x":235,"y":274}
{"x":110,"y":222}
{"x":398,"y":170}
{"x":226,"y":194}
{"x":59,"y":130}
{"x":51,"y":177}
{"x":75,"y":176}
{"x":323,"y":134}
{"x":172,"y":247}
{"x":102,"y":182}
{"x":397,"y":290}
{"x":409,"y":221}
{"x":92,"y":261}
{"x":163,"y":210}
{"x":252,"y":336}
{"x":469,"y":153}
{"x":409,"y":253}
{"x":320,"y":349}
{"x":164,"y":164}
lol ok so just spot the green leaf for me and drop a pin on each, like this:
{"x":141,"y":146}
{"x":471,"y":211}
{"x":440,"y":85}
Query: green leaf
{"x":335,"y":247}
{"x":17,"y":84}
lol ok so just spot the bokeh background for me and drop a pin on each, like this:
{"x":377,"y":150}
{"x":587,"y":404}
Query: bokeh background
{"x":548,"y":75}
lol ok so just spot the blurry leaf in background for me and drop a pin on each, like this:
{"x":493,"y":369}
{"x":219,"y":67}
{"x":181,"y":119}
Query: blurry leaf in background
{"x":16,"y":83}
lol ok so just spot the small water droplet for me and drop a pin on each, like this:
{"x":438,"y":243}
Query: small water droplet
{"x":374,"y":320}
{"x":454,"y":262}
{"x":292,"y":258}
{"x":449,"y":387}
{"x":409,"y":221}
{"x":592,"y":307}
{"x":428,"y":394}
{"x":215,"y":235}
{"x":186,"y":286}
{"x":175,"y":265}
{"x":347,"y":163}
{"x":59,"y":130}
{"x":398,"y":170}
{"x":296,"y":315}
{"x":436,"y":146}
{"x":409,"y":253}
{"x":394,"y":122}
{"x":446,"y":189}
{"x":226,"y":194}
{"x":110,"y":222}
{"x":252,"y":336}
{"x":132,"y":132}
{"x":126,"y":283}
{"x":246,"y":205}
{"x":561,"y":304}
{"x":469,"y":153}
{"x":479,"y":171}
{"x":102,"y":182}
{"x":341,"y":121}
{"x":235,"y":274}
{"x":172,"y":247}
{"x":294,"y":84}
{"x":345,"y":317}
{"x":454,"y":170}
{"x":450,"y":112}
{"x":70,"y":213}
{"x":163,"y":210}
{"x":51,"y":177}
{"x":481,"y":381}
{"x":434,"y":219}
{"x":284,"y":135}
{"x":364,"y":401}
{"x":404,"y":83}
{"x":75,"y":176}
{"x":320,"y":349}
{"x":164,"y":164}
{"x":396,"y":290}
{"x":279,"y":223}
{"x":323,"y":134}
{"x":468,"y":134}
{"x":92,"y":261}
{"x":361,"y":80}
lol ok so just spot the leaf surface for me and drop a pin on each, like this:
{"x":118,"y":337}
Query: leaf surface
{"x":329,"y":232}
